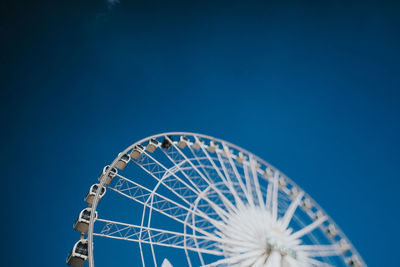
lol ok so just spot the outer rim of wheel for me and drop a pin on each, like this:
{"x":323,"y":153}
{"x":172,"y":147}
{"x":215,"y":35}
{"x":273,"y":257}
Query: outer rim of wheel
{"x":260,"y":160}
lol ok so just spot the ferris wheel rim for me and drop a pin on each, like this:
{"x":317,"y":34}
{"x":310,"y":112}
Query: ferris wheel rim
{"x":92,"y":220}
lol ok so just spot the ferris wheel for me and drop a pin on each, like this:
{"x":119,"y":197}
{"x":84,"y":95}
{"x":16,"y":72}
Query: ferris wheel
{"x":186,"y":199}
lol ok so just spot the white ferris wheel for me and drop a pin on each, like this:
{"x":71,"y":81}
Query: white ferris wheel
{"x":186,"y":199}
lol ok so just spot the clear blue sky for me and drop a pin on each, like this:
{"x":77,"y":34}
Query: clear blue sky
{"x":311,"y":86}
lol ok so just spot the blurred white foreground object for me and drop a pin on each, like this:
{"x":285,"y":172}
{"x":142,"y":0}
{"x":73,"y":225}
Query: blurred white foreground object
{"x":166,"y":263}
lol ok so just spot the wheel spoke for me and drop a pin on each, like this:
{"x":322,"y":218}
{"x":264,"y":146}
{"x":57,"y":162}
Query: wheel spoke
{"x":320,"y":250}
{"x":239,"y":202}
{"x":275,"y":196}
{"x":309,"y":228}
{"x":290,"y":211}
{"x":228,"y":205}
{"x":253,"y":164}
{"x":183,"y":191}
{"x":220,"y":211}
{"x":248,"y":185}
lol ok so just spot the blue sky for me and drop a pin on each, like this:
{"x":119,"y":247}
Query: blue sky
{"x":311,"y":87}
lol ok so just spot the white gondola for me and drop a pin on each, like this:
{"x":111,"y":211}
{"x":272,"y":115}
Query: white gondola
{"x":82,"y":223}
{"x":268,"y":173}
{"x":227,"y":153}
{"x":123,"y":161}
{"x":79,"y":254}
{"x":183,"y":141}
{"x":167,"y":142}
{"x":307,"y":204}
{"x":318,"y":214}
{"x":241,"y":157}
{"x":332,"y":230}
{"x":282,"y":182}
{"x":344,"y":245}
{"x":197,"y":143}
{"x":152,"y":145}
{"x":354,"y":261}
{"x":212,"y":147}
{"x":92,"y":193}
{"x":257,"y":165}
{"x":110,"y":176}
{"x":137,"y":152}
{"x":294,"y":192}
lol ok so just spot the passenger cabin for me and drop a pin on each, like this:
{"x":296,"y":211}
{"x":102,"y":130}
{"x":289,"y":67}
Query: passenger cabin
{"x":82,"y":223}
{"x":241,"y":157}
{"x":197,"y":143}
{"x":92,"y":193}
{"x":344,"y":245}
{"x":183,"y":141}
{"x":307,"y":204}
{"x":227,"y":153}
{"x":136,"y":152}
{"x":212,"y":147}
{"x":319,"y":214}
{"x":268,"y":173}
{"x":355,"y":261}
{"x":110,"y":176}
{"x":123,"y":161}
{"x":79,"y":254}
{"x":294,"y":192}
{"x":282,"y":182}
{"x":152,"y":145}
{"x":331,"y":230}
{"x":167,"y":142}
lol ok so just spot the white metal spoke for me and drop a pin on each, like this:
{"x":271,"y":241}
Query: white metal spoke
{"x":275,"y":196}
{"x":203,"y":164}
{"x":320,"y":250}
{"x":185,"y":231}
{"x":268,"y":197}
{"x":248,"y":185}
{"x":182,"y":196}
{"x":230,"y":206}
{"x":235,"y":171}
{"x":290,"y":211}
{"x":238,"y":201}
{"x":309,"y":228}
{"x":221,"y":212}
{"x":161,"y":170}
{"x":227,"y":203}
{"x":256,"y":181}
{"x":176,"y":158}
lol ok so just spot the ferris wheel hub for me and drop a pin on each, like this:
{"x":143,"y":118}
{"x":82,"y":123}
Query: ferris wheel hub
{"x":253,"y":229}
